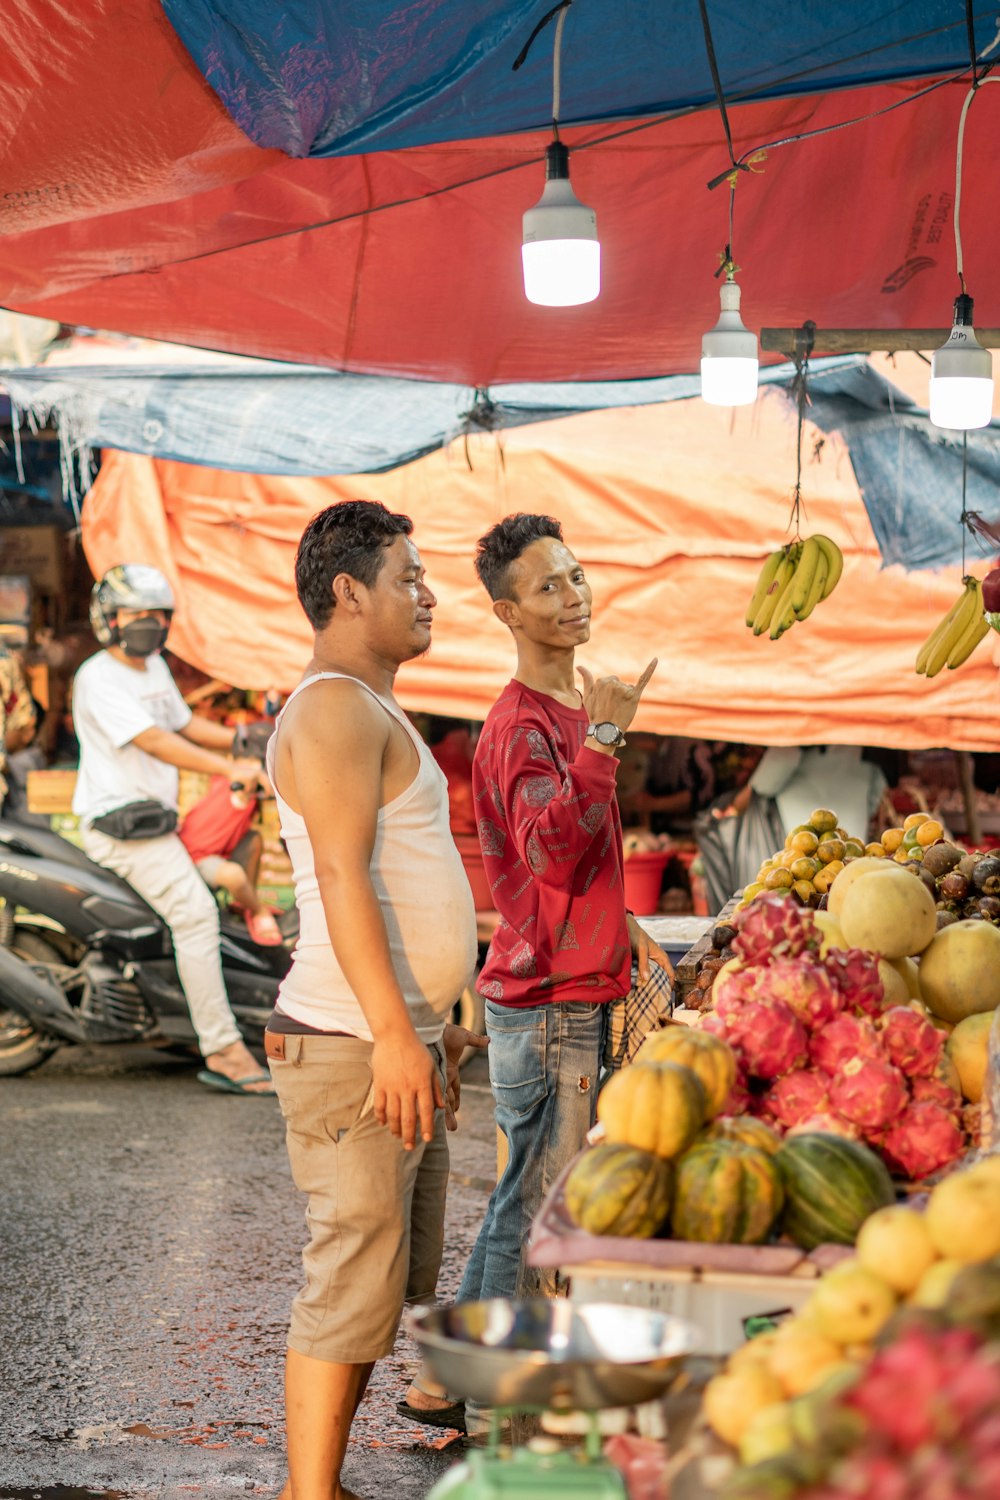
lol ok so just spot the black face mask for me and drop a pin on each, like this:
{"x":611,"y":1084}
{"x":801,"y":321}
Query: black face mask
{"x":142,"y":637}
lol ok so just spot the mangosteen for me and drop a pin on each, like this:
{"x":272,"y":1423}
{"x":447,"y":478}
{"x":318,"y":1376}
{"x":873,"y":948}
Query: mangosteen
{"x":990,"y":908}
{"x":928,"y":879}
{"x":945,"y":918}
{"x":722,"y":936}
{"x":986,"y":876}
{"x":954,"y":886}
{"x":823,"y":902}
{"x":967,"y":864}
{"x":941,"y":857}
{"x":727,"y":954}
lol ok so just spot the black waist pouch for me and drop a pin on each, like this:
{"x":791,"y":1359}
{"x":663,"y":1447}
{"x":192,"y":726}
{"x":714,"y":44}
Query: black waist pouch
{"x":137,"y":820}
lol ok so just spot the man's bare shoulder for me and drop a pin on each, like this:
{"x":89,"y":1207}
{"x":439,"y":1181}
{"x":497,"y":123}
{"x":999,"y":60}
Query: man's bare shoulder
{"x":334,"y":709}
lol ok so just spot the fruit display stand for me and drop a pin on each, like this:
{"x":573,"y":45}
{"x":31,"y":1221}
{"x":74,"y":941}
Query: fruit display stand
{"x":718,"y":1287}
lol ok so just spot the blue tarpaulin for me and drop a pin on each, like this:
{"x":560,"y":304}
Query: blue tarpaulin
{"x":263,"y":417}
{"x":330,"y":77}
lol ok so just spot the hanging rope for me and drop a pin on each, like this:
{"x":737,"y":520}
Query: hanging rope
{"x":804,"y":339}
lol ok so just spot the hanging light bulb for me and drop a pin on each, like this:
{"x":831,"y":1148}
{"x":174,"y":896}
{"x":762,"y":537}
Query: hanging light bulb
{"x":962,"y":376}
{"x":729,"y":354}
{"x":560,"y":253}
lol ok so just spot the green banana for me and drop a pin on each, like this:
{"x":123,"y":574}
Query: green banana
{"x":809,"y":560}
{"x":783,"y":615}
{"x":816,"y":588}
{"x":764,"y":581}
{"x":964,"y":644}
{"x":942,"y":626}
{"x":960,"y":621}
{"x":834,"y":562}
{"x":765,"y":613}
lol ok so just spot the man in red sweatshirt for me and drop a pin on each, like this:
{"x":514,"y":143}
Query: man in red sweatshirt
{"x":544,"y":787}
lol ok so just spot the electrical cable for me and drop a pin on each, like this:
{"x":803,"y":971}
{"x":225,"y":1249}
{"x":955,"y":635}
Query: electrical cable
{"x":977,"y":85}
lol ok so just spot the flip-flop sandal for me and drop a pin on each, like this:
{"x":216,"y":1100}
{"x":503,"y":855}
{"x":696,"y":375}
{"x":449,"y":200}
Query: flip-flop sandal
{"x":452,"y":1416}
{"x":263,"y":928}
{"x":238,"y":1085}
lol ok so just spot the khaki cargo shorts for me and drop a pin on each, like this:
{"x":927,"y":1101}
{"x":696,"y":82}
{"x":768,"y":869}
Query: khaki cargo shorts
{"x":375,"y":1212}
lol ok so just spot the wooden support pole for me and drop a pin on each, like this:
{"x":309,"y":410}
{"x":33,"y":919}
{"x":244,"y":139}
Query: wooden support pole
{"x":973,"y":832}
{"x":866,"y":340}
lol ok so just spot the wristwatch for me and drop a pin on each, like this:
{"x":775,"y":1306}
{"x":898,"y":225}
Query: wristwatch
{"x":606,"y":733}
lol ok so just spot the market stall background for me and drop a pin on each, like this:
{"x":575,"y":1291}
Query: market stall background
{"x":670,"y":508}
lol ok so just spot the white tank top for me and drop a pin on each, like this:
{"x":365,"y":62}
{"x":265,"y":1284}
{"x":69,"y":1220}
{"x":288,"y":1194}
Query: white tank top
{"x":422,"y":889}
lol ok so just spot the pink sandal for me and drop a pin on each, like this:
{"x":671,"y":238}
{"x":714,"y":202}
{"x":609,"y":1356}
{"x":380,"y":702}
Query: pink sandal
{"x":263,"y":928}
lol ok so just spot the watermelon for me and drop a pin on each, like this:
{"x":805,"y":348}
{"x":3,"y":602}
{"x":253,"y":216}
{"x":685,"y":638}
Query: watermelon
{"x":619,"y":1190}
{"x":727,"y":1194}
{"x":831,"y":1186}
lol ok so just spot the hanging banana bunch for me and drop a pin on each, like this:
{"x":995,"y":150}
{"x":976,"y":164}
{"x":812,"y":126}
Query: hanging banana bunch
{"x":955,"y":638}
{"x":792,"y":582}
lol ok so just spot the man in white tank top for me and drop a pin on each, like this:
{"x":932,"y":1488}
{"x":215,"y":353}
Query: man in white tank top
{"x":359,"y":1042}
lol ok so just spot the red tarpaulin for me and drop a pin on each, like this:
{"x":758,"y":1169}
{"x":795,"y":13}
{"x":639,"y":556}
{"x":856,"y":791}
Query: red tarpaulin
{"x":132,"y":202}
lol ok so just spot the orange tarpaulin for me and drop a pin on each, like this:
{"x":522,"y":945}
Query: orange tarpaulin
{"x":671,"y":508}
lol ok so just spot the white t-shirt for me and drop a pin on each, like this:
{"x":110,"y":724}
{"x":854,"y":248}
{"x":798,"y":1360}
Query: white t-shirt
{"x":112,"y":703}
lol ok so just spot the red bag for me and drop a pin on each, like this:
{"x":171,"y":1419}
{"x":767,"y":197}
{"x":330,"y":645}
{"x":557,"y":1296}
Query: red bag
{"x":214,"y":825}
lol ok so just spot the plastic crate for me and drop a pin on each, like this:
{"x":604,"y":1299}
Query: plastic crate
{"x":717,"y":1302}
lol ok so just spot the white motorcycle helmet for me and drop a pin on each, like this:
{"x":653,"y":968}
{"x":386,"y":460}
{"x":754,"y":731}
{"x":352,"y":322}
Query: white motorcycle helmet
{"x":128,"y":586}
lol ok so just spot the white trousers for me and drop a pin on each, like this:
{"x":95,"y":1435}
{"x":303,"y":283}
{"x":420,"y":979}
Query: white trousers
{"x":163,"y":873}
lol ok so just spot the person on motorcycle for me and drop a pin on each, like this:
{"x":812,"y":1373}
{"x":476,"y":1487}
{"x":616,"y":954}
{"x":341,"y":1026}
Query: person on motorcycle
{"x":135,"y":733}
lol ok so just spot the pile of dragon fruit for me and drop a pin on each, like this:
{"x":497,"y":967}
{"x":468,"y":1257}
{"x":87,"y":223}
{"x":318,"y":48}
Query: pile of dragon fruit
{"x":923,"y":1417}
{"x":816,"y":1048}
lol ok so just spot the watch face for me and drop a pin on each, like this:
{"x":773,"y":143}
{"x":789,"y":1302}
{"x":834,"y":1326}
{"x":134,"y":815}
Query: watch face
{"x":607,"y":734}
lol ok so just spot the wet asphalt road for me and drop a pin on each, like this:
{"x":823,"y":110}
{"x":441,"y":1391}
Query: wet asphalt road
{"x":150,"y":1237}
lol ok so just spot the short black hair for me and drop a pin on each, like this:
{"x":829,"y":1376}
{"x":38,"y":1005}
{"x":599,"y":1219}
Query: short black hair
{"x":349,"y":537}
{"x":500,"y":548}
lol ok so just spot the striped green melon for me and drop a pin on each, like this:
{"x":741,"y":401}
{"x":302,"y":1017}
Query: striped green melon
{"x":832,"y":1185}
{"x":727,"y":1194}
{"x":620,"y":1190}
{"x":745,"y":1128}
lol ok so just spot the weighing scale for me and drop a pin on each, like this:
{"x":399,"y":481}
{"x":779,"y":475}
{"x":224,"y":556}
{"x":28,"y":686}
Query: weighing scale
{"x":546,"y":1355}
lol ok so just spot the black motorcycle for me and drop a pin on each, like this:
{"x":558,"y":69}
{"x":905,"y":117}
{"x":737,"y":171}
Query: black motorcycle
{"x":84,"y":959}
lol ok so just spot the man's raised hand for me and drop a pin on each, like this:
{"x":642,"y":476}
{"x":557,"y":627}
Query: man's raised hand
{"x":609,"y":700}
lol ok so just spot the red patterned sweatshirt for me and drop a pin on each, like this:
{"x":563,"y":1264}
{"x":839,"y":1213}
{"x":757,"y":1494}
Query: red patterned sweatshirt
{"x":552,"y":846}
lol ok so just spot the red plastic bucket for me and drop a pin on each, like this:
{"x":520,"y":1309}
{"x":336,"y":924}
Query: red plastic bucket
{"x":643,"y":876}
{"x":467,"y":845}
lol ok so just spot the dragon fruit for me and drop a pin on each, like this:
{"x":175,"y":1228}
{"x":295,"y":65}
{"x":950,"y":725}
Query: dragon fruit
{"x":932,"y":1090}
{"x":856,"y":975}
{"x":924,"y":1139}
{"x":841,"y":1040}
{"x":738,"y":1099}
{"x":911,"y":1042}
{"x":766,"y":1035}
{"x":869,"y":1092}
{"x":774,"y":927}
{"x":805,"y":987}
{"x":796,"y":1097}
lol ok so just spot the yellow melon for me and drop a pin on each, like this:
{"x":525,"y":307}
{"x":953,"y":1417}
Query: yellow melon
{"x":857,"y":870}
{"x":852,"y":1303}
{"x":963,"y":1217}
{"x":895,"y":1244}
{"x":968,"y":1047}
{"x":935,"y":1284}
{"x":889,"y":914}
{"x":732,"y":1400}
{"x":802,"y":1357}
{"x":960,"y":971}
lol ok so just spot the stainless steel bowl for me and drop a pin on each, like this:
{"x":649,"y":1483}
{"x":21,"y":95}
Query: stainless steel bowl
{"x":553,"y":1355}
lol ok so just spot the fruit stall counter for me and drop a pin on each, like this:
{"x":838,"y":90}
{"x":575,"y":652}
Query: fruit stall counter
{"x":813,"y":1145}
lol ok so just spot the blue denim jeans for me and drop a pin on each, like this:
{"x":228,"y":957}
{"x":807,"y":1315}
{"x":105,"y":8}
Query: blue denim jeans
{"x":544,"y":1067}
